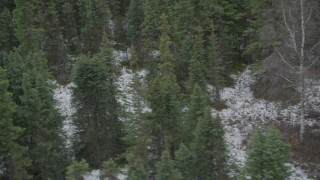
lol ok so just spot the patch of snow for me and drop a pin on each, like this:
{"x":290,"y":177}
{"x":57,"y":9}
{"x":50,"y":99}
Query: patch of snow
{"x":127,"y":94}
{"x":95,"y":175}
{"x":63,"y":98}
{"x":244,"y":112}
{"x":121,"y":56}
{"x":297,"y":173}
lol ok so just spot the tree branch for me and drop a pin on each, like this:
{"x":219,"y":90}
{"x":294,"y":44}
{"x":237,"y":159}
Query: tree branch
{"x":282,"y":58}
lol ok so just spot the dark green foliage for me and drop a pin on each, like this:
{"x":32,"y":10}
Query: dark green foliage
{"x":53,"y":44}
{"x":184,"y":162}
{"x":208,"y":148}
{"x":7,"y":40}
{"x":97,"y":17}
{"x":198,"y":103}
{"x":42,"y":123}
{"x":196,"y":66}
{"x":165,"y":168}
{"x":135,"y":18}
{"x":77,"y":170}
{"x":109,"y":170}
{"x":163,"y":96}
{"x":27,"y":27}
{"x":215,"y":66}
{"x":13,"y":158}
{"x":98,"y":129}
{"x":136,"y":170}
{"x":267,"y":156}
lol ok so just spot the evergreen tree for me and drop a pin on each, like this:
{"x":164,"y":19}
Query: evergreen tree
{"x":77,"y":170}
{"x":165,"y":168}
{"x":163,"y":97}
{"x":196,"y":110}
{"x":7,"y":41}
{"x":135,"y":16}
{"x":208,"y":148}
{"x":27,"y":26}
{"x":136,"y":170}
{"x":13,"y":161}
{"x":98,"y":129}
{"x":184,"y":160}
{"x":70,"y":26}
{"x":267,"y":156}
{"x":96,"y":23}
{"x":182,"y":30}
{"x":109,"y":170}
{"x":53,"y":44}
{"x":41,"y":120}
{"x":196,"y":65}
{"x":215,"y":67}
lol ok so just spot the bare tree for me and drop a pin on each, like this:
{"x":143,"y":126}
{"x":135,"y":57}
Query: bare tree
{"x":299,"y":52}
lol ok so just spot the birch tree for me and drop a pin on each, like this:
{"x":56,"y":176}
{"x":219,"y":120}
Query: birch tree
{"x":299,"y":52}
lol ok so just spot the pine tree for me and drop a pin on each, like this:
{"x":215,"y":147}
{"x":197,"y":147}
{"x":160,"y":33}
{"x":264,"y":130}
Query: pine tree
{"x":98,"y":129}
{"x":208,"y":148}
{"x":266,"y":156}
{"x":13,"y":161}
{"x":165,"y":168}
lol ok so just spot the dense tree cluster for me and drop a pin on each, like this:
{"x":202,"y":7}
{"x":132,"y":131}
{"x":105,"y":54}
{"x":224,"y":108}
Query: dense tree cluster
{"x":185,"y":46}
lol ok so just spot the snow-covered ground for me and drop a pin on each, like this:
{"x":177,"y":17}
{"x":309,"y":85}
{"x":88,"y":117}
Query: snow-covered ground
{"x":243,"y":113}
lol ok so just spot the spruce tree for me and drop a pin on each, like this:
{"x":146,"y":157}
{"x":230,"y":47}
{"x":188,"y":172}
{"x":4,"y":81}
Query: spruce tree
{"x":267,"y":156}
{"x":97,"y":17}
{"x":215,"y":67}
{"x":196,"y":64}
{"x":43,"y":125}
{"x":109,"y":170}
{"x":165,"y":168}
{"x":196,"y":110}
{"x":163,"y":97}
{"x":208,"y":148}
{"x":7,"y":40}
{"x":13,"y":160}
{"x":53,"y":44}
{"x":27,"y":26}
{"x":77,"y":170}
{"x":135,"y":16}
{"x":184,"y":162}
{"x":98,"y":129}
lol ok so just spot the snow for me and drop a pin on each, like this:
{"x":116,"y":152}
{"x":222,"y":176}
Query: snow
{"x":244,"y":112}
{"x":95,"y":175}
{"x":63,"y":98}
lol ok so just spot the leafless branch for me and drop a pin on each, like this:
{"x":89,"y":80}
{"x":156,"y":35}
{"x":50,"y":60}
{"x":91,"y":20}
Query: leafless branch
{"x":285,"y":78}
{"x":313,"y":62}
{"x":315,"y":45}
{"x":283,"y":59}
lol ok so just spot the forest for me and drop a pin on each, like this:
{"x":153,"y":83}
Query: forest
{"x":159,"y":89}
